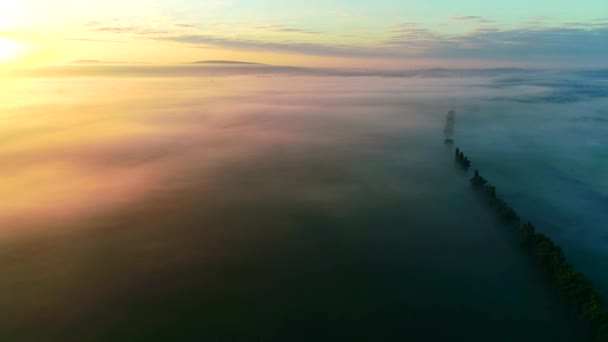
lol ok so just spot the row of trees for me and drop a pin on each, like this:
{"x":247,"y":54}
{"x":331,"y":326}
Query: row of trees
{"x":462,"y":159}
{"x":573,"y":285}
{"x":504,"y":210}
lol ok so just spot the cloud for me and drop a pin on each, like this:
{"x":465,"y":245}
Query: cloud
{"x":532,"y":43}
{"x":403,"y":27}
{"x":148,"y":27}
{"x":218,"y":68}
{"x":473,"y":18}
{"x":538,"y":45}
{"x":95,"y":40}
{"x":95,"y":61}
{"x":408,"y":40}
{"x":290,"y":47}
{"x":466,"y":17}
{"x":584,"y":25}
{"x":92,"y":23}
{"x":131,"y":30}
{"x":225,"y":62}
{"x":115,"y":29}
{"x":285,"y":29}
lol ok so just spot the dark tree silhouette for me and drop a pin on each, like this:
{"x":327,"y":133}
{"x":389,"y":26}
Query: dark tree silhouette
{"x":491,"y":191}
{"x":462,"y":159}
{"x":573,"y":285}
{"x":477,"y":180}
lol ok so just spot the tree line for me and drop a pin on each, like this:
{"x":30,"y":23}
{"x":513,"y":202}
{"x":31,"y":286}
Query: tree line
{"x":576,"y":289}
{"x":504,"y":210}
{"x":573,"y":285}
{"x":462,"y":159}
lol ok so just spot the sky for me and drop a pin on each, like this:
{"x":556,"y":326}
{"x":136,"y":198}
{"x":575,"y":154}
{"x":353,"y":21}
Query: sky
{"x":355,"y":33}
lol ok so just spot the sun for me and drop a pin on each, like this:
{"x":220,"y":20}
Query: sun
{"x":10,"y":49}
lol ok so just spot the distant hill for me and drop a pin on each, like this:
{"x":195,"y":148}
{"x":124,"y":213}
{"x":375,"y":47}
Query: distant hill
{"x":226,"y":62}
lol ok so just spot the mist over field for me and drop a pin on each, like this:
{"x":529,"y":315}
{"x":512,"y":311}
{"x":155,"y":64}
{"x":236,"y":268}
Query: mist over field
{"x":304,"y":203}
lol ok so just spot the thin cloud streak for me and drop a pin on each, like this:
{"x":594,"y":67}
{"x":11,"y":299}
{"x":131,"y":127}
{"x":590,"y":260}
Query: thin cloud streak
{"x":533,"y":43}
{"x":589,"y":45}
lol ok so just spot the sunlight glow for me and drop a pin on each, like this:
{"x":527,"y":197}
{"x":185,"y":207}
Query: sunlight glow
{"x":10,"y":49}
{"x":12,"y":14}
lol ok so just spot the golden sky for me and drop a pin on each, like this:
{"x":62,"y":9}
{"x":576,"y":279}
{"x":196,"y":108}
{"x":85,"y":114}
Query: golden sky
{"x":358,"y":33}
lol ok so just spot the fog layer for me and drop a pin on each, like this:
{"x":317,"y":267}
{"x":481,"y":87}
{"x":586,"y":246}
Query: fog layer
{"x":289,"y":208}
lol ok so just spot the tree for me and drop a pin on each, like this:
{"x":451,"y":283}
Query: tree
{"x":491,"y":191}
{"x":527,"y":232}
{"x":477,"y":180}
{"x":573,"y":285}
